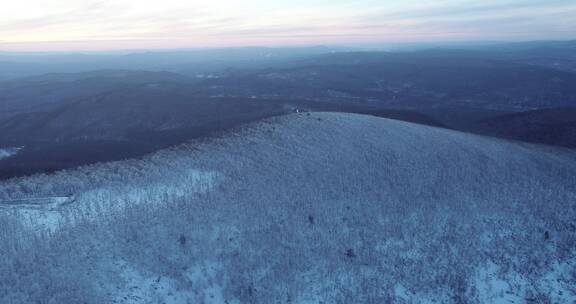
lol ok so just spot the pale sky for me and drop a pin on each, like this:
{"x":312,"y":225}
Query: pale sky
{"x":48,"y":25}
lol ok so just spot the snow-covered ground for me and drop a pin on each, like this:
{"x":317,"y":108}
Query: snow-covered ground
{"x":307,"y":208}
{"x":52,"y":212}
{"x":9,"y":152}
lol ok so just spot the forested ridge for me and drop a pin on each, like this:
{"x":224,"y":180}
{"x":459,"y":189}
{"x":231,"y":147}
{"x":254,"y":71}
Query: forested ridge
{"x":305,"y":208}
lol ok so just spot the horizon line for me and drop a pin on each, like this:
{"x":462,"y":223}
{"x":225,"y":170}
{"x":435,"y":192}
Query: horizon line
{"x":376,"y":44}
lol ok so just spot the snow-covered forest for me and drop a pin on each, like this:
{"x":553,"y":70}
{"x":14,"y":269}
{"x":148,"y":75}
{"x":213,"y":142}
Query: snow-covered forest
{"x":305,"y":208}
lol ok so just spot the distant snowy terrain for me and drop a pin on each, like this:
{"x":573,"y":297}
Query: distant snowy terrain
{"x":306,"y":208}
{"x":8,"y":152}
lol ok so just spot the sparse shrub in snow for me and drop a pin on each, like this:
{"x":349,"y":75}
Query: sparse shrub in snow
{"x":9,"y":152}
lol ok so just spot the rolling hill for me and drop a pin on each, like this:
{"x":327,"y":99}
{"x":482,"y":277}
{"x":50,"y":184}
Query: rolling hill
{"x":555,"y":126}
{"x":66,"y":120}
{"x":70,"y":119}
{"x":409,"y":80}
{"x":190,"y":62}
{"x":305,"y":208}
{"x":44,"y":93}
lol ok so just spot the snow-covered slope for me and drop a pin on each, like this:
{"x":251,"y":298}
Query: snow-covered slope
{"x":307,"y":208}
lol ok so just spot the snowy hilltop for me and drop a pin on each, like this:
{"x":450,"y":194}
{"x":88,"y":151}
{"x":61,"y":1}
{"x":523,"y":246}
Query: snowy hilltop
{"x":304,"y":208}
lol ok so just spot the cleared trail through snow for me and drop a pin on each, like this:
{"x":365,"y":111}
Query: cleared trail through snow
{"x":40,"y":203}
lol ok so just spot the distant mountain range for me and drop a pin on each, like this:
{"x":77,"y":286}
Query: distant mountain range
{"x":149,"y":101}
{"x":192,"y":62}
{"x":407,"y":80}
